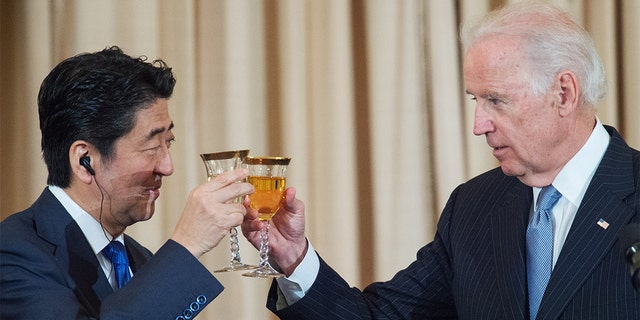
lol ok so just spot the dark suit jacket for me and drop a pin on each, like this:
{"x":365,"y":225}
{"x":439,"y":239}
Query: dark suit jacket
{"x":475,"y":266}
{"x":49,"y":271}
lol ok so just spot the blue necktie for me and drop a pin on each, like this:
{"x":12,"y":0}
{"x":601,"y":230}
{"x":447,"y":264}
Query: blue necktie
{"x":116,"y":252}
{"x":540,"y":248}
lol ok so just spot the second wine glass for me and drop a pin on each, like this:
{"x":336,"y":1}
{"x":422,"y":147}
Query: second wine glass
{"x":215,"y":164}
{"x":266,"y":174}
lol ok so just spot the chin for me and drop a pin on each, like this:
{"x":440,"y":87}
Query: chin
{"x":510,"y":170}
{"x":148,"y":212}
{"x":525,"y":177}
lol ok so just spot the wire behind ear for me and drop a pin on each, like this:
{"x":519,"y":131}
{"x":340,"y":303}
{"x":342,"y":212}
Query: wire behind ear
{"x":86,"y":162}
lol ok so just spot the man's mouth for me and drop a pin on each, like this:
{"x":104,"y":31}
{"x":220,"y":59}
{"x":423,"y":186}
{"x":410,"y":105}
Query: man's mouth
{"x":154,"y":193}
{"x":498,"y":151}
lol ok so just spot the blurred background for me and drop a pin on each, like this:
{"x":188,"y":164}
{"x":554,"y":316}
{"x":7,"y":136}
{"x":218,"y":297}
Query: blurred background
{"x":365,"y":96}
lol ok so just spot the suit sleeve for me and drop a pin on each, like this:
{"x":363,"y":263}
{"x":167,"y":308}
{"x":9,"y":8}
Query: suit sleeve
{"x":421,"y":291}
{"x":33,"y":286}
{"x":172,"y":283}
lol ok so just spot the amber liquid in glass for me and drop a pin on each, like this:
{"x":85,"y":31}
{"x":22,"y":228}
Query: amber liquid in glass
{"x":268,"y":195}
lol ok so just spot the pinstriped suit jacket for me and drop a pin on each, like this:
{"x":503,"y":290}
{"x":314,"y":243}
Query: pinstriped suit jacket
{"x":475,"y":266}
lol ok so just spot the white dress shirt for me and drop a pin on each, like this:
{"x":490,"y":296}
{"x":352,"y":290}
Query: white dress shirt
{"x":97,"y":237}
{"x":572,"y":182}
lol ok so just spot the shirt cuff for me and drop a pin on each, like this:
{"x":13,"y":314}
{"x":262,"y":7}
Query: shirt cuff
{"x":295,"y":286}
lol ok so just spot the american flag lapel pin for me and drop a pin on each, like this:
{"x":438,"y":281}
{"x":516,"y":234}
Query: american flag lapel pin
{"x":603,"y":224}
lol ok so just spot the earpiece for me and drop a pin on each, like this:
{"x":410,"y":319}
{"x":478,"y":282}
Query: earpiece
{"x":86,"y":162}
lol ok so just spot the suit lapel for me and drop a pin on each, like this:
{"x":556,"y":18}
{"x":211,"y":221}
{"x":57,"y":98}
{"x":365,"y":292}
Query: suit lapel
{"x":72,"y":252}
{"x":588,"y":243}
{"x":92,"y":285}
{"x":509,"y":224}
{"x":137,"y":254}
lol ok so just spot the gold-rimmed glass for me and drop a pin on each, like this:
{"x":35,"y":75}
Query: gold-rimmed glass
{"x":267,"y":175}
{"x":216,"y":164}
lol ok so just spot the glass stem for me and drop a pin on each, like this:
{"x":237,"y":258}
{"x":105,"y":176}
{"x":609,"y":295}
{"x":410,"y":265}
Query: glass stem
{"x":235,"y":248}
{"x":264,"y":246}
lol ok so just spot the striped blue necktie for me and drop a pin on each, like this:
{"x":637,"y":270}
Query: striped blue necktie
{"x":117,"y":254}
{"x":540,"y":248}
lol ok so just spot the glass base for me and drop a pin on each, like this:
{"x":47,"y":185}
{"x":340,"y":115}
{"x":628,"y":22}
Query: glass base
{"x":236,"y":267}
{"x":266,"y":271}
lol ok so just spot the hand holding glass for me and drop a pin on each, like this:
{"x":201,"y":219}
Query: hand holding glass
{"x":266,"y":174}
{"x":215,"y":164}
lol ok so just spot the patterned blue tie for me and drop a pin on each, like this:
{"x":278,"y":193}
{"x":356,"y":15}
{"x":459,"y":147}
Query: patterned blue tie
{"x":540,"y":248}
{"x":116,"y":252}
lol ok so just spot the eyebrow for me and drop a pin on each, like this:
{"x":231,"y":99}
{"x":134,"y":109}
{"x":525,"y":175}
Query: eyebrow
{"x":157,"y":131}
{"x":488,"y":95}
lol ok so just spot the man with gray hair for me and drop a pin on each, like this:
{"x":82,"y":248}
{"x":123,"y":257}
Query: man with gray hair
{"x":536,"y":238}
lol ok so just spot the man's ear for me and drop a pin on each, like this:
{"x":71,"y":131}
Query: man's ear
{"x":81,"y":168}
{"x":569,"y":93}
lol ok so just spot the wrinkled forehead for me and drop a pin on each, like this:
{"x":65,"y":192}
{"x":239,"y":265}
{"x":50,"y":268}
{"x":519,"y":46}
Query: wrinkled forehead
{"x":498,"y":48}
{"x":503,"y":54}
{"x":496,"y":64}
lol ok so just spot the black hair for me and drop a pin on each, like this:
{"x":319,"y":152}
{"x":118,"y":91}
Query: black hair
{"x":95,"y":97}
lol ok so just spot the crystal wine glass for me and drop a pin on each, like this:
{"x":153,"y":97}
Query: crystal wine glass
{"x":266,"y":174}
{"x":215,"y":164}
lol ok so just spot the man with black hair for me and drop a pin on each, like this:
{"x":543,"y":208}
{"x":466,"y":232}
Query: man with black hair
{"x":106,"y":138}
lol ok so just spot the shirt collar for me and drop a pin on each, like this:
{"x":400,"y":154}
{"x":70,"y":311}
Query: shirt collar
{"x":91,"y":228}
{"x":581,"y":168}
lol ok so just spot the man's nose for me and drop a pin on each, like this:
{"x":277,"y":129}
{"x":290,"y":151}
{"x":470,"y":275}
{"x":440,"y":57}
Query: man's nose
{"x":482,"y":122}
{"x":165,"y":164}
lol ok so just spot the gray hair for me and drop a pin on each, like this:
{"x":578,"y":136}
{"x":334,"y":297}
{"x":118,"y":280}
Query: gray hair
{"x":553,"y":43}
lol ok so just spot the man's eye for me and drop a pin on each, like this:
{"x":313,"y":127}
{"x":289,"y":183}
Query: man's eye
{"x":170,"y":142}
